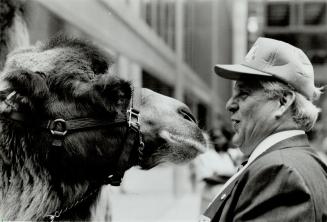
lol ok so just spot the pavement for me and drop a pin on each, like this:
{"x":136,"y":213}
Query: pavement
{"x":149,"y":196}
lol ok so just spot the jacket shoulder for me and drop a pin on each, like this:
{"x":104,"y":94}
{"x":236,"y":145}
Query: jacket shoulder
{"x":291,"y":176}
{"x":300,"y":159}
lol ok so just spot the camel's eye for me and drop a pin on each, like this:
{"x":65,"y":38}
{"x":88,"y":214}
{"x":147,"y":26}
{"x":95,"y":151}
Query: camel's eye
{"x":186,"y":115}
{"x":42,"y":74}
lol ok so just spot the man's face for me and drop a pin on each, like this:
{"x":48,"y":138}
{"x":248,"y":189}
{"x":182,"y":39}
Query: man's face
{"x":251,"y":115}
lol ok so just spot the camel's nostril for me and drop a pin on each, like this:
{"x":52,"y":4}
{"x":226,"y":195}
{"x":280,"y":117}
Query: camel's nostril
{"x":186,"y":114}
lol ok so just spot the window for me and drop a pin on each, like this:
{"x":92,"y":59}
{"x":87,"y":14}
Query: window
{"x":160,"y":16}
{"x":314,"y":13}
{"x":151,"y":82}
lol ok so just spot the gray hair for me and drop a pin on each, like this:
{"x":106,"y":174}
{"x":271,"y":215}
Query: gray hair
{"x":304,"y":112}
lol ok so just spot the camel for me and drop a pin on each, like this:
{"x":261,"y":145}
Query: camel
{"x":68,"y":128}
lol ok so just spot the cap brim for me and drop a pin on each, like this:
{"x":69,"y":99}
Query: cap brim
{"x":238,"y":71}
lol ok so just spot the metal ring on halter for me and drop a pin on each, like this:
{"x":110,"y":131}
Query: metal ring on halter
{"x":58,"y":122}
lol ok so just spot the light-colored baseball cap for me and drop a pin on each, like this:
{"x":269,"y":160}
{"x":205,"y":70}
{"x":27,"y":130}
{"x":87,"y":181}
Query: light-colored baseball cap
{"x":271,"y":58}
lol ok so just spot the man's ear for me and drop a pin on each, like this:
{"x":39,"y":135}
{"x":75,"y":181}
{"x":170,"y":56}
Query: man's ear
{"x":284,"y":103}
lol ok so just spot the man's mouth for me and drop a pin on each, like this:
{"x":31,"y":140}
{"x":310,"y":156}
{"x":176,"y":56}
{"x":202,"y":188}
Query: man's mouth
{"x":235,"y":124}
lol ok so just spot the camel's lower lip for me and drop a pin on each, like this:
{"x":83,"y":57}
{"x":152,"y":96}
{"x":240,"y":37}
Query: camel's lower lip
{"x":181,"y":140}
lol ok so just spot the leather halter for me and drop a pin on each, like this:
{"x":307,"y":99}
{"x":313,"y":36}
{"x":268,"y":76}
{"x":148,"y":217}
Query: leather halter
{"x":59,"y":128}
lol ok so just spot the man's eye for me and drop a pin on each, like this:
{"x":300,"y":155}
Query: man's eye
{"x":243,"y":95}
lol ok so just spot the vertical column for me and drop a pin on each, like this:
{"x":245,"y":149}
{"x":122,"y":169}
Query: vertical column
{"x":170,"y":21}
{"x":179,"y":36}
{"x":136,"y":78}
{"x":122,"y":67}
{"x":239,"y":21}
{"x":154,"y":15}
{"x":130,"y":70}
{"x":239,"y":30}
{"x":192,"y":38}
{"x":135,"y":72}
{"x":178,"y":93}
{"x":162,"y":18}
{"x":214,"y":57}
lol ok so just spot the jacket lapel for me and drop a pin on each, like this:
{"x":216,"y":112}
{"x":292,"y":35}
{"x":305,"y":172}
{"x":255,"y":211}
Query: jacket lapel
{"x":216,"y":207}
{"x":217,"y":204}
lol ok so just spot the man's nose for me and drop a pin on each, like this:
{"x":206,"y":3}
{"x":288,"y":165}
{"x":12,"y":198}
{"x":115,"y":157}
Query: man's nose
{"x":232,"y":105}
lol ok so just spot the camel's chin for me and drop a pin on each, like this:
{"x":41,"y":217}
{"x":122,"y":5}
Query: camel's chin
{"x":182,"y":142}
{"x":147,"y":165}
{"x":178,"y":157}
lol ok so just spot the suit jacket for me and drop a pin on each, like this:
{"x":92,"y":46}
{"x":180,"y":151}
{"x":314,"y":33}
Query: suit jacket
{"x":288,"y":182}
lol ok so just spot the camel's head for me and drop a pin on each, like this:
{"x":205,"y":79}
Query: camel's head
{"x":67,"y":83}
{"x":169,"y":129}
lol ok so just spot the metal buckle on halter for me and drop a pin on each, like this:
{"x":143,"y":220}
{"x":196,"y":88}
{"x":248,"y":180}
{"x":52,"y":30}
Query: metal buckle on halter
{"x":134,"y":119}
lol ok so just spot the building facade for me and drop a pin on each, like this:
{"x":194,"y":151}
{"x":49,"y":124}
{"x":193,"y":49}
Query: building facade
{"x":169,"y":46}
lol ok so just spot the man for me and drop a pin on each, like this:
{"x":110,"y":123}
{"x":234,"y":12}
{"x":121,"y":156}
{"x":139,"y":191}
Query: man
{"x":271,"y":108}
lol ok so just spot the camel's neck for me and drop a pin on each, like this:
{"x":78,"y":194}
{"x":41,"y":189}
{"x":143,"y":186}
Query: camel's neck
{"x":26,"y":194}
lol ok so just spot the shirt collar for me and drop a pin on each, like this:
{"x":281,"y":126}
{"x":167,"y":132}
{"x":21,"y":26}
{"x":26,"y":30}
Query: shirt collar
{"x":272,"y":140}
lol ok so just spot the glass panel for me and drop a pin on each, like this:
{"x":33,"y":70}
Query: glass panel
{"x":314,"y":13}
{"x":278,"y":14}
{"x":148,"y":13}
{"x":151,"y":82}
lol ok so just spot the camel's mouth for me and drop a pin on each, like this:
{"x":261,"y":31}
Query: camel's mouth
{"x":181,"y":140}
{"x":172,"y":147}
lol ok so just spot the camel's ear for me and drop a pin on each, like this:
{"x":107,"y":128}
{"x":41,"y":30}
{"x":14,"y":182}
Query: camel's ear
{"x":110,"y":93}
{"x":30,"y":86}
{"x":114,"y":91}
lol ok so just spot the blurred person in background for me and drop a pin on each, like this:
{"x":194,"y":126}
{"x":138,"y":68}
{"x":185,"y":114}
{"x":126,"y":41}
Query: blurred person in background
{"x":316,"y":138}
{"x":271,"y":108}
{"x":218,"y":164}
